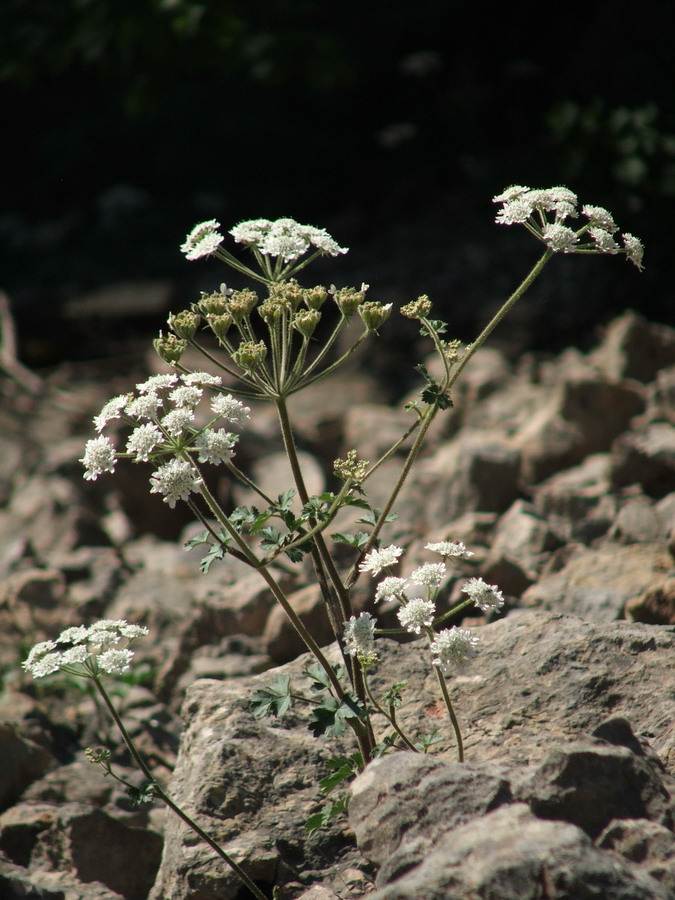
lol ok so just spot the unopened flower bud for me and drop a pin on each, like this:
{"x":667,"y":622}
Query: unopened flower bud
{"x":169,"y":348}
{"x":241,"y":303}
{"x":306,"y":321}
{"x":374,"y":314}
{"x":418,"y":309}
{"x":185,"y":323}
{"x":220,"y":325}
{"x":349,"y":300}
{"x":315,"y":297}
{"x":289,"y":292}
{"x":250,"y":356}
{"x":213,"y":304}
{"x":97,"y":755}
{"x":351,"y":467}
{"x":272,"y":310}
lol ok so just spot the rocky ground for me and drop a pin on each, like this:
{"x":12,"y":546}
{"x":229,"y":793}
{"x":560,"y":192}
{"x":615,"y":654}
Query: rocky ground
{"x":558,"y":472}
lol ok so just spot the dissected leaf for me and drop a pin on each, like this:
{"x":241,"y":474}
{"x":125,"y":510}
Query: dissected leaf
{"x":274,"y":700}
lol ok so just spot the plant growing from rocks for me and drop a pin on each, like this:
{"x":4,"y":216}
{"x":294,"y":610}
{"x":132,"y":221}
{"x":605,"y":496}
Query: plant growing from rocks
{"x":265,"y":348}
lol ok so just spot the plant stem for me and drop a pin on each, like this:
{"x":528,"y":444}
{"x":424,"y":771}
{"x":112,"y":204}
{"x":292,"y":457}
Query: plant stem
{"x":451,"y":712}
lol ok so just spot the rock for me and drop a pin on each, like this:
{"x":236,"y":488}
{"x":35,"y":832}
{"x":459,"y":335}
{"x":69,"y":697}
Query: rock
{"x":280,"y":639}
{"x":252,"y":784}
{"x":583,"y":416}
{"x":476,"y":471}
{"x":648,"y":846}
{"x":509,"y":851}
{"x":73,"y":837}
{"x":443,"y":796}
{"x":634,"y":348}
{"x":655,"y":606}
{"x":598,"y":583}
{"x":576,"y":498}
{"x":646,"y":458}
{"x":22,"y":762}
{"x":590,"y":784}
{"x":636,"y":522}
{"x":519,"y":548}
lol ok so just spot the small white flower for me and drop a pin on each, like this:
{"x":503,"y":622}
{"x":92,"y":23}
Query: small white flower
{"x":431,"y":574}
{"x":634,"y":249}
{"x":201,"y":378}
{"x":230,"y":409}
{"x":511,"y":193}
{"x":284,"y":238}
{"x":600,"y":217}
{"x":176,"y":421}
{"x":446,"y":549}
{"x":452,"y":648}
{"x":417,"y":614}
{"x":77,"y":634}
{"x":559,"y":238}
{"x":43,"y":665}
{"x":74,"y":656}
{"x":143,"y":440}
{"x":176,"y":480}
{"x":114,"y":662}
{"x":377,"y":560}
{"x":487,"y":597}
{"x":203,"y":240}
{"x":99,"y":456}
{"x":144,"y":407}
{"x":111,"y":410}
{"x":156,"y":383}
{"x":187,"y":395}
{"x":515,"y":212}
{"x":359,"y":636}
{"x":603,"y":240}
{"x":215,"y":446}
{"x":37,"y":653}
{"x":391,"y":588}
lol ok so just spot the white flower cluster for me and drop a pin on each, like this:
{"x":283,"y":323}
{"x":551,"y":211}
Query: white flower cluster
{"x":285,"y":238}
{"x":86,"y":651}
{"x":452,"y":648}
{"x":449,"y":648}
{"x":544,"y":211}
{"x":162,"y":415}
{"x":359,"y":636}
{"x":203,"y":240}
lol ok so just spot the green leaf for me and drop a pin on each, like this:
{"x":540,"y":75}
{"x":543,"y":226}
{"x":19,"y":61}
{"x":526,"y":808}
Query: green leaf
{"x":358,"y":540}
{"x":386,"y":744}
{"x":202,"y":538}
{"x":271,"y":538}
{"x":338,"y":807}
{"x":438,"y":325}
{"x":330,"y":717}
{"x":285,"y":500}
{"x":143,"y":794}
{"x":341,"y":769}
{"x":320,"y":677}
{"x":274,"y":700}
{"x":393,"y":695}
{"x":428,"y":740}
{"x":217,"y":551}
{"x":371,"y":517}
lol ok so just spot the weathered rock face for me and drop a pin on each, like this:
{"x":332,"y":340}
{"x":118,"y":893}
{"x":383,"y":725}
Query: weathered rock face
{"x":559,"y":476}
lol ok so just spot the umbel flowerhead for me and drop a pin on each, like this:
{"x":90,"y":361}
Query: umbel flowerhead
{"x":278,"y":246}
{"x":544,"y":212}
{"x":165,"y":431}
{"x":89,"y":652}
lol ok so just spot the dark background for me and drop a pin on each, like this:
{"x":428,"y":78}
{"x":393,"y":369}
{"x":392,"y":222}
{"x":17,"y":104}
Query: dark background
{"x":390,"y":124}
